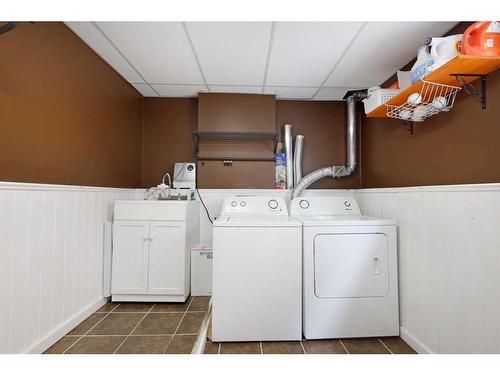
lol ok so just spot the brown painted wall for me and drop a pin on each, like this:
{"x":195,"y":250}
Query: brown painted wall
{"x":221,"y":112}
{"x":458,"y":147}
{"x":66,"y":117}
{"x":167,"y":139}
{"x":168,"y":127}
{"x":323,"y":125}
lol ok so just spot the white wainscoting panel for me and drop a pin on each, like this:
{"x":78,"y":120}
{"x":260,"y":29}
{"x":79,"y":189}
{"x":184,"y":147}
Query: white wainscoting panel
{"x":51,"y":260}
{"x":449,"y":263}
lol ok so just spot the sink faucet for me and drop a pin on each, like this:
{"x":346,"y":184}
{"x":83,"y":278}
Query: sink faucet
{"x":169,"y":186}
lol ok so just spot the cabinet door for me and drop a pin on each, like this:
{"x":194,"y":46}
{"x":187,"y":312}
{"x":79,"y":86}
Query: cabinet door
{"x":130,"y":257}
{"x":167,"y":254}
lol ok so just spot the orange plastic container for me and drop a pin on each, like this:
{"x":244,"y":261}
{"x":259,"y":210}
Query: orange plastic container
{"x":482,"y":39}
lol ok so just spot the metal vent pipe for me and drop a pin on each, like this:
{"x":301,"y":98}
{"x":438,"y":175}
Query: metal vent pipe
{"x":337,"y":170}
{"x":297,"y":159}
{"x":288,"y":156}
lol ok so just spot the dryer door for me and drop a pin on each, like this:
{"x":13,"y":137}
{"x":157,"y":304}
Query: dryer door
{"x":350,"y":265}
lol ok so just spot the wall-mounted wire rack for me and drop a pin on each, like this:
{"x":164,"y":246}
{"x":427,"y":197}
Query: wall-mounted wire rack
{"x":432,"y":98}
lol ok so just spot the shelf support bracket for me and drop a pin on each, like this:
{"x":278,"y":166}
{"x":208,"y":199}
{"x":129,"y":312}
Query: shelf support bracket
{"x":196,"y":140}
{"x":470,"y":89}
{"x":409,"y":125}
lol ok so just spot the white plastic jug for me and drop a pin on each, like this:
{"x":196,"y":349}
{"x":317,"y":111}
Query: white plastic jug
{"x":422,"y":66}
{"x":443,"y":49}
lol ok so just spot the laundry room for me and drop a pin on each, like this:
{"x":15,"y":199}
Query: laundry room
{"x":199,"y":185}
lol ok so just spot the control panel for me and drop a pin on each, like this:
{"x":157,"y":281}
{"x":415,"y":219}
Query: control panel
{"x":254,"y":205}
{"x":325,"y":206}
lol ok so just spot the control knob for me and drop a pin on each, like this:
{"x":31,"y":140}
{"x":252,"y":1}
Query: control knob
{"x":273,"y":204}
{"x":304,"y":204}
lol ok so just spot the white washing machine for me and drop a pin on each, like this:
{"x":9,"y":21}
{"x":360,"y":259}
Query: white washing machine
{"x":350,"y":270}
{"x":257,"y":271}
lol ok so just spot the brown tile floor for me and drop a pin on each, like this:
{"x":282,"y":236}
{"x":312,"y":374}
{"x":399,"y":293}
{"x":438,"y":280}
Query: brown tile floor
{"x":382,"y":345}
{"x":136,"y":328}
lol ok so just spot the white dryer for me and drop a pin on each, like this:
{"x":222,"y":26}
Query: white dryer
{"x":257,"y":271}
{"x":350,"y":269}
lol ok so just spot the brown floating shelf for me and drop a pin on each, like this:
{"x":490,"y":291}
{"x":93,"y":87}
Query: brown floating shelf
{"x":460,"y":65}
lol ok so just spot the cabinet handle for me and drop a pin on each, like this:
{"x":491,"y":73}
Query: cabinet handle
{"x":146,"y":238}
{"x":150,"y":238}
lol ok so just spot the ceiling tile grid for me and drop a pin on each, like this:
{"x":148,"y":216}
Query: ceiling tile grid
{"x":160,"y":51}
{"x":231,"y":53}
{"x":292,"y":60}
{"x":304,"y":52}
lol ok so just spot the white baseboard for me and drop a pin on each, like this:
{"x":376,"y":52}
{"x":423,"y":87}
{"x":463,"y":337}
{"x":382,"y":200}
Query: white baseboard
{"x":416,"y":344}
{"x":65,"y":327}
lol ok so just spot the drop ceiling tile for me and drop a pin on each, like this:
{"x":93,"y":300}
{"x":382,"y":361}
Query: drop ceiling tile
{"x":291,"y":92}
{"x":160,"y":51}
{"x":381,"y":49}
{"x":303,"y":53}
{"x":180,"y":91}
{"x":144,"y":89}
{"x":237,"y":89}
{"x":95,"y":40}
{"x":231,"y":53}
{"x":333,"y":93}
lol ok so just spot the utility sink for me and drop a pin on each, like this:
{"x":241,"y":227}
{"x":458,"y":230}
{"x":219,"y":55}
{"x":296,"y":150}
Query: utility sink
{"x":175,"y":198}
{"x":153,"y":210}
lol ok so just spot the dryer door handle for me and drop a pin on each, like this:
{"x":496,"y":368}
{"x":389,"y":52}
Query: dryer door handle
{"x":376,"y":267}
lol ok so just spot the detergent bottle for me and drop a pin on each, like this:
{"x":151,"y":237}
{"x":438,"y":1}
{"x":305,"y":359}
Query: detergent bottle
{"x":482,"y":39}
{"x":443,"y":49}
{"x":422,"y":66}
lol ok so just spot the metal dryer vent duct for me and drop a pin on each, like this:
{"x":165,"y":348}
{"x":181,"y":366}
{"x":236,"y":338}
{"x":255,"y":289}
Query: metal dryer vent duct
{"x":338,"y":170}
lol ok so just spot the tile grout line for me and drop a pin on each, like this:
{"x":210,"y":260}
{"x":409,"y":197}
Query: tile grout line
{"x":154,"y":312}
{"x":302,"y":346}
{"x":203,"y":330}
{"x":140,"y":321}
{"x":178,"y":325}
{"x":91,"y":328}
{"x":390,"y":351}
{"x":341,"y":343}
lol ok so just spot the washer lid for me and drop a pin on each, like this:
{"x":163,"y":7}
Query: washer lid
{"x":256,"y":221}
{"x":328,"y":221}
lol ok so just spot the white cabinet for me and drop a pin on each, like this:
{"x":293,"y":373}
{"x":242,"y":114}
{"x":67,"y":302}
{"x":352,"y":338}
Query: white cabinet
{"x":166,"y":262}
{"x":130,"y":258}
{"x":151,"y":261}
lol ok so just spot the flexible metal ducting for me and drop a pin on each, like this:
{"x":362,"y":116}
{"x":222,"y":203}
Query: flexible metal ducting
{"x":288,"y":156}
{"x":297,"y":159}
{"x":337,"y":170}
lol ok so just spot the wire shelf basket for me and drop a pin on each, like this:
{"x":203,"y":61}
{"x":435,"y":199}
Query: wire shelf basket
{"x":433,"y":98}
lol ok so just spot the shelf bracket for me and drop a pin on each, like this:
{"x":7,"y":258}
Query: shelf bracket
{"x":470,"y":89}
{"x":196,"y":140}
{"x":409,"y":125}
